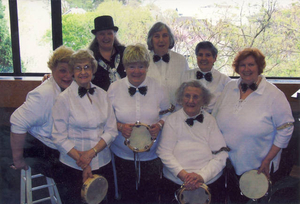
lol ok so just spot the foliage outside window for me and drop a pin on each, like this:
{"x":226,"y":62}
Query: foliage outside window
{"x":272,"y":29}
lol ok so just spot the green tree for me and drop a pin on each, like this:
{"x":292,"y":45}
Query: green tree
{"x":6,"y":65}
{"x":133,"y":24}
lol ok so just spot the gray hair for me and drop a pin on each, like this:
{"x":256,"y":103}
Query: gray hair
{"x":136,"y":53}
{"x":82,"y":55}
{"x":208,"y":46}
{"x":156,"y":28}
{"x":206,"y":95}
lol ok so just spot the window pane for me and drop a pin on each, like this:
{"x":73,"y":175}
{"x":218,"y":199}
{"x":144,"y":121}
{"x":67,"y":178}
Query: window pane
{"x":35,"y":34}
{"x":6,"y":64}
{"x":271,"y":26}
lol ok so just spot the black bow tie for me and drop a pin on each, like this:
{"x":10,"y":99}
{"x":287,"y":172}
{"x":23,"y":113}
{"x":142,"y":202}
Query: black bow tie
{"x":252,"y":86}
{"x":142,"y":90}
{"x":190,"y":121}
{"x":207,"y":76}
{"x":82,"y":91}
{"x":165,"y":58}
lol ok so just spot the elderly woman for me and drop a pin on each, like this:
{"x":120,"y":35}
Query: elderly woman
{"x":211,"y":78}
{"x":84,"y":125}
{"x":108,"y":52}
{"x":166,"y":66}
{"x":254,"y":117}
{"x":191,"y":145}
{"x":137,"y":98}
{"x":35,"y":117}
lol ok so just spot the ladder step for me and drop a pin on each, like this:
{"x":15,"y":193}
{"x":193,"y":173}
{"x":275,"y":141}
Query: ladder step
{"x":41,"y":200}
{"x":42,"y":186}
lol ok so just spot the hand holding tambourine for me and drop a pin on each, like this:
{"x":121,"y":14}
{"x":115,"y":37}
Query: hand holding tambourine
{"x":140,"y":139}
{"x":193,"y":181}
{"x":87,"y":173}
{"x":154,"y":130}
{"x":126,"y":130}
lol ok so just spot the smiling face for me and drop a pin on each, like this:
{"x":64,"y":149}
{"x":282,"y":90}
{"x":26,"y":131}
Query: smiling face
{"x":62,"y":75}
{"x":192,"y":100}
{"x":205,"y":60}
{"x":136,"y":73}
{"x":248,"y":70}
{"x":83,"y":74}
{"x":161,"y":42}
{"x":105,"y":39}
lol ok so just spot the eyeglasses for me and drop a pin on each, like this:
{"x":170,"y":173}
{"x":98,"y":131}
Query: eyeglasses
{"x":85,"y":68}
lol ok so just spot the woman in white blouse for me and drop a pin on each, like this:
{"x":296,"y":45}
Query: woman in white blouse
{"x":130,"y":108}
{"x":191,"y":147}
{"x":84,"y":125}
{"x":255,"y":119}
{"x":166,"y":66}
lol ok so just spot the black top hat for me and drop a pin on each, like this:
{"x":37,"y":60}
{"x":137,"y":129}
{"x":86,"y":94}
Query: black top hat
{"x":104,"y":23}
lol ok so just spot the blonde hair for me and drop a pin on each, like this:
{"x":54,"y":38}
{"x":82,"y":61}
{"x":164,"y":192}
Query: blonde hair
{"x":83,"y":55}
{"x":60,"y":54}
{"x":136,"y":53}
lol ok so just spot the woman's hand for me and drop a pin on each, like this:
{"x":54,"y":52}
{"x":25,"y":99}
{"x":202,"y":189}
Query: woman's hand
{"x":45,"y":77}
{"x":265,"y":168}
{"x":87,"y":173}
{"x":126,"y":130}
{"x":85,"y":158}
{"x":193,"y":181}
{"x":154,"y":130}
{"x":19,"y":164}
{"x":265,"y":164}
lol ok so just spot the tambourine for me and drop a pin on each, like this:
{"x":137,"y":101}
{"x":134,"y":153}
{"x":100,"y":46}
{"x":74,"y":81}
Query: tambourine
{"x":140,"y":139}
{"x":200,"y":195}
{"x":94,"y":189}
{"x":253,"y":185}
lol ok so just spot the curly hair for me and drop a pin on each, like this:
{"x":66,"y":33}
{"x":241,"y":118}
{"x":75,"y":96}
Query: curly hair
{"x":206,"y":95}
{"x":156,"y":28}
{"x":254,"y":52}
{"x":60,"y":54}
{"x":83,"y":55}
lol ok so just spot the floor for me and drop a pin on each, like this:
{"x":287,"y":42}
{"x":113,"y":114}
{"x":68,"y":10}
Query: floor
{"x":288,"y":191}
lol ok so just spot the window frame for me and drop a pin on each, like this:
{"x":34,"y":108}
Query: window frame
{"x":57,"y":39}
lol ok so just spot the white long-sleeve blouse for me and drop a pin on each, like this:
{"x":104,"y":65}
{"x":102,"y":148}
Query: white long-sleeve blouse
{"x":250,"y":126}
{"x":130,"y":109}
{"x":80,"y":124}
{"x":190,"y":148}
{"x":35,"y":114}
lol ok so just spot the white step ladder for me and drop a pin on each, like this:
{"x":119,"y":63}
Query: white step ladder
{"x":27,"y":189}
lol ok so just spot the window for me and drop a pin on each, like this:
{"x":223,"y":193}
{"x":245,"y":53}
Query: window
{"x":34,"y":29}
{"x":27,"y":48}
{"x":6,"y":65}
{"x":271,"y":26}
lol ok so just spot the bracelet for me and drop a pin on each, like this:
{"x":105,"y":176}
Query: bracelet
{"x":161,"y":126}
{"x":95,"y":151}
